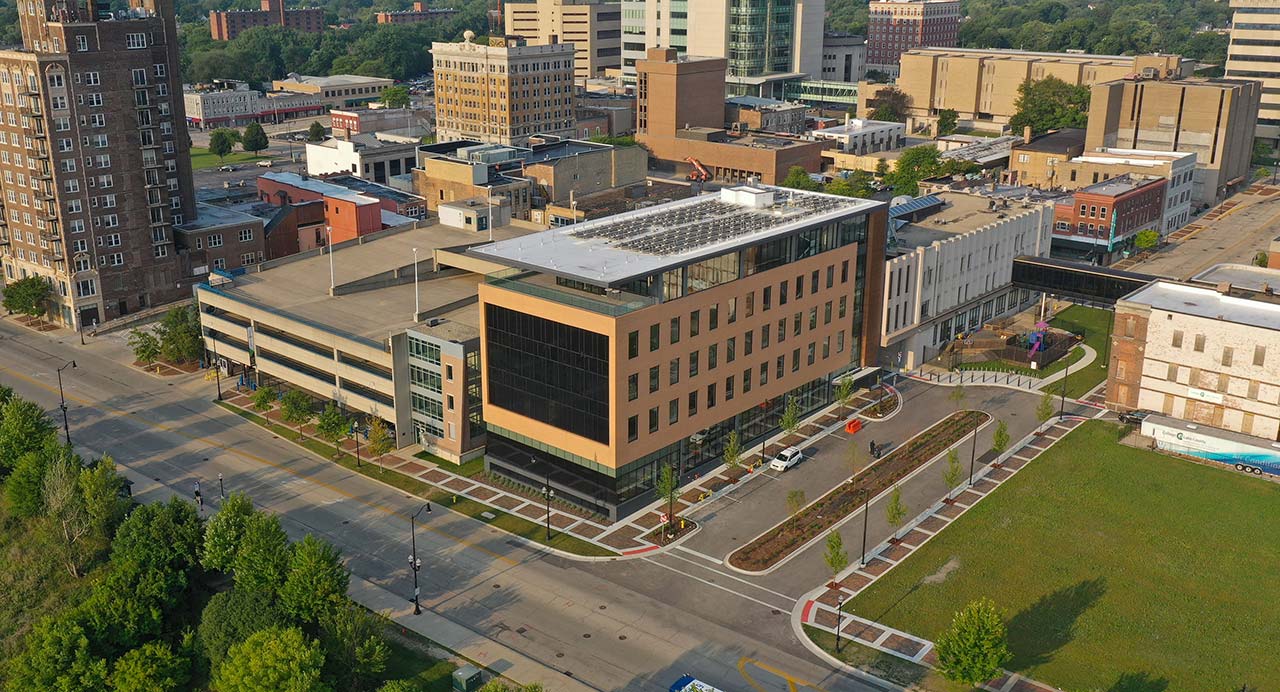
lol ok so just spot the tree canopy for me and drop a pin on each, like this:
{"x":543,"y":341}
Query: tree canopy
{"x":28,"y":296}
{"x":254,"y":139}
{"x":1050,"y":104}
{"x":975,"y":647}
{"x":277,"y":659}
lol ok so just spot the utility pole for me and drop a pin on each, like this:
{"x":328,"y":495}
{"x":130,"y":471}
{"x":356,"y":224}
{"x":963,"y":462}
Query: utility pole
{"x":415,"y":563}
{"x":62,"y":400}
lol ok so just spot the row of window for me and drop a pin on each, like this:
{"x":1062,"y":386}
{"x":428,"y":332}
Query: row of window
{"x":1227,"y":356}
{"x":713,"y":390}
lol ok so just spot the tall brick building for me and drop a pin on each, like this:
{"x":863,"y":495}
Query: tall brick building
{"x":94,"y":163}
{"x":897,"y":26}
{"x":225,"y":25}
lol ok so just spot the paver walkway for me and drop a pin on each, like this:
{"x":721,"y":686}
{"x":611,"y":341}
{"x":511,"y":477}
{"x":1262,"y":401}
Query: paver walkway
{"x":822,"y":608}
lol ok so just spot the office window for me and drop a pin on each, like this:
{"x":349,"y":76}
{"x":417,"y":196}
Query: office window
{"x":795,"y":359}
{"x":751,"y":303}
{"x":813,"y":317}
{"x":764,"y":373}
{"x":633,"y":386}
{"x":653,"y":379}
{"x":767,"y":299}
{"x":831,"y":275}
{"x":826,"y":313}
{"x":813,"y":281}
{"x":1199,"y":346}
{"x":764,"y":336}
{"x":675,"y":330}
{"x":633,"y":429}
{"x":782,"y":293}
{"x":811,"y":354}
{"x":799,"y":287}
{"x":796,"y":324}
{"x":728,"y":388}
{"x":653,"y":338}
{"x":1177,"y":338}
{"x":673,"y":411}
{"x":733,"y":311}
{"x":844,"y":272}
{"x":693,"y":402}
{"x":1259,"y":355}
{"x":695,"y":323}
{"x":653,"y":419}
{"x":693,"y":363}
{"x":1227,"y":354}
{"x":711,"y":395}
{"x":747,"y":340}
{"x":633,"y":344}
{"x":781,"y":369}
{"x":713,"y":319}
{"x":674,"y":376}
{"x":713,"y":352}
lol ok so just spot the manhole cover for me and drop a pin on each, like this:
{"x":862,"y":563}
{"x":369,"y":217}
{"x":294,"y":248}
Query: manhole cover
{"x":622,"y":637}
{"x":586,"y":636}
{"x":346,"y":522}
{"x":604,"y":607}
{"x":497,"y":586}
{"x":205,"y":459}
{"x":521,"y":630}
{"x":777,"y":612}
{"x":558,"y":655}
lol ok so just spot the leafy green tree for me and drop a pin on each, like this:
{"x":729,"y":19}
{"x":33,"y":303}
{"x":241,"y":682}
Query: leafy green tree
{"x":882,"y":168}
{"x":1261,"y":150}
{"x":667,"y":485}
{"x":915,"y":164}
{"x":165,"y":535}
{"x":399,"y":686}
{"x":1000,"y":439}
{"x":224,"y":532}
{"x":145,"y":345}
{"x":836,"y":557}
{"x":28,"y":296}
{"x":790,"y":422}
{"x":798,"y":179}
{"x":975,"y":647}
{"x":895,"y":512}
{"x":1262,"y":173}
{"x":255,"y":138}
{"x":152,"y":667}
{"x":844,"y":391}
{"x":856,"y":184}
{"x":316,"y":582}
{"x":57,"y":657}
{"x":889,"y":104}
{"x":1050,"y":104}
{"x":272,"y":660}
{"x":25,"y":486}
{"x":6,"y":393}
{"x":103,"y":489}
{"x":356,"y":654}
{"x":948,"y":119}
{"x":179,"y":335}
{"x":315,"y":133}
{"x":231,"y":616}
{"x":380,"y":441}
{"x":1145,"y":240}
{"x":732,"y":450}
{"x":264,"y":398}
{"x":1044,"y":408}
{"x":262,"y":562}
{"x":68,"y":519}
{"x":333,"y":426}
{"x":795,"y":502}
{"x":295,"y":409}
{"x":222,"y":141}
{"x":1261,"y":259}
{"x":953,"y":473}
{"x":396,"y":96}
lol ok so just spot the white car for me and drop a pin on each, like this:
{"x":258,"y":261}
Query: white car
{"x":786,"y":459}
{"x":264,"y":164}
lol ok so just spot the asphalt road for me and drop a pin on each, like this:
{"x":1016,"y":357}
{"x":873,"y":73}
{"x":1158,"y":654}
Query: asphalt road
{"x":1234,"y":237}
{"x":625,"y":625}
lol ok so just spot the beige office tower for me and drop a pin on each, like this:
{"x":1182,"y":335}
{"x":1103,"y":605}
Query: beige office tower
{"x":1212,"y":118}
{"x":503,"y":92}
{"x":1255,"y":54}
{"x":594,"y":27}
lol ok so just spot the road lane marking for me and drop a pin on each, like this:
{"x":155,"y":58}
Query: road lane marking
{"x":704,"y":556}
{"x":737,"y":579}
{"x":251,"y":457}
{"x":792,"y":682}
{"x":713,"y":585}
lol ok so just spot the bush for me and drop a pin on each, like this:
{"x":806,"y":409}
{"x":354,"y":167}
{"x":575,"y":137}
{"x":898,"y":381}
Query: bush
{"x":231,"y":616}
{"x":272,"y":659}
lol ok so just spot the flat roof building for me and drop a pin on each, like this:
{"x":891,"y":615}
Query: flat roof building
{"x":225,"y":25}
{"x":335,"y":91}
{"x":1255,"y":43}
{"x":897,"y":26}
{"x":593,"y":27}
{"x":747,"y":113}
{"x":613,"y":348}
{"x":231,"y":103}
{"x":418,"y":14}
{"x":378,"y":156}
{"x":862,"y":137}
{"x":844,"y":57}
{"x":1099,"y":222}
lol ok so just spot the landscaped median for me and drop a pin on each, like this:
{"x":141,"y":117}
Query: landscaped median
{"x":492,"y":516}
{"x":777,"y":543}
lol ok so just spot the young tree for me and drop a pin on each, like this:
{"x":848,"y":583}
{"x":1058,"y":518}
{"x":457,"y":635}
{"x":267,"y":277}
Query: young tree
{"x":315,"y":133}
{"x":231,"y":616}
{"x":24,"y":427}
{"x":1261,"y":259}
{"x":262,"y":562}
{"x":1145,"y":240}
{"x":224,"y":532}
{"x":103,"y":489}
{"x":856,"y":457}
{"x":732,"y":450}
{"x":975,"y":647}
{"x":791,"y":417}
{"x":222,"y":141}
{"x":1000,"y":439}
{"x":915,"y":164}
{"x":380,"y":441}
{"x":844,"y":392}
{"x":1049,"y":104}
{"x":957,"y":396}
{"x":356,"y":654}
{"x":57,"y":657}
{"x":64,"y":505}
{"x":882,"y":168}
{"x":255,"y":139}
{"x":28,"y":296}
{"x":1044,"y":409}
{"x":152,"y":667}
{"x":25,"y":486}
{"x":667,"y":485}
{"x":836,"y":557}
{"x":954,"y":473}
{"x":264,"y":398}
{"x":795,"y":502}
{"x":164,"y":535}
{"x":317,"y":580}
{"x":272,"y":659}
{"x":396,"y":96}
{"x":179,"y":335}
{"x":895,"y":512}
{"x":145,"y":345}
{"x":948,"y":119}
{"x":798,"y":179}
{"x":295,"y":409}
{"x":333,"y":426}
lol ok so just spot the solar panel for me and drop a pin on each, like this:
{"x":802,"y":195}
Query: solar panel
{"x":915,"y":205}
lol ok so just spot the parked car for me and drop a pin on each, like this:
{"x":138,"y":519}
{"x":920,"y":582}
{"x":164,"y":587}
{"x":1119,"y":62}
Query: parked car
{"x":786,"y":459}
{"x":265,"y":164}
{"x":227,"y":168}
{"x":1133,"y":417}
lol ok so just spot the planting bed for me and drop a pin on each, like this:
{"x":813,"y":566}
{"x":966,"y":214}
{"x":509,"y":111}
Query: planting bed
{"x":787,"y":537}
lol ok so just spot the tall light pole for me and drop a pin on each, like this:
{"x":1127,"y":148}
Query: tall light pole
{"x":866,"y":504}
{"x":329,"y":234}
{"x":415,"y":563}
{"x":416,"y":307}
{"x":488,"y":200}
{"x":973,"y":451}
{"x":547,"y":494}
{"x":217,"y":369}
{"x":839,"y":618}
{"x":62,"y":400}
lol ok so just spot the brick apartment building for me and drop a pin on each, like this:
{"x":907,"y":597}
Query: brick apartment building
{"x":225,"y":25}
{"x":419,"y":13}
{"x":1101,"y":220}
{"x":897,"y":26}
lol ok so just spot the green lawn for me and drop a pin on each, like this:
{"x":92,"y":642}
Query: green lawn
{"x":201,"y":158}
{"x":1118,"y":568}
{"x":1002,"y":366}
{"x":1094,"y":322}
{"x":410,"y":663}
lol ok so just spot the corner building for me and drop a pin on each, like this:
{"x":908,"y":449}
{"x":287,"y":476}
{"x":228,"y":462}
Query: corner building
{"x":618,"y":346}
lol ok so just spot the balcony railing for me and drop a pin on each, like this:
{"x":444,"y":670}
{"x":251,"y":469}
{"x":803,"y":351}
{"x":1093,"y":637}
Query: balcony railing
{"x":540,"y":286}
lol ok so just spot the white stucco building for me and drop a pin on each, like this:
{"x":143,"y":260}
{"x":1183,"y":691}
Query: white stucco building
{"x":859,"y":136}
{"x":377,"y":157}
{"x":950,"y":271}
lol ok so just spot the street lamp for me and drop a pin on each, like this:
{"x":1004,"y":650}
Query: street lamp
{"x":217,"y":369}
{"x":329,"y":235}
{"x":62,"y":400}
{"x":973,"y":451}
{"x":839,"y":618}
{"x":416,"y":307}
{"x":866,"y":504}
{"x":547,"y":494}
{"x":222,"y":493}
{"x":415,"y":563}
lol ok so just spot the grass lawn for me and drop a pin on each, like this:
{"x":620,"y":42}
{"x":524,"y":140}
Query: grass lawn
{"x":1118,"y":569}
{"x":503,"y":520}
{"x":429,"y":674}
{"x":884,"y":666}
{"x":1094,"y":323}
{"x":201,"y":158}
{"x":1002,"y":366}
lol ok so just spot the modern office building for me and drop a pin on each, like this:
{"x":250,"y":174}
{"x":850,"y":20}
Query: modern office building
{"x":420,"y":13}
{"x":1100,"y":221}
{"x":503,"y":92}
{"x":768,"y":43}
{"x":225,"y":25}
{"x":981,"y":85}
{"x":616,"y":347}
{"x":950,"y":269}
{"x":1254,"y":53}
{"x":96,"y":171}
{"x":897,"y":26}
{"x":1203,"y":351}
{"x":594,"y":27}
{"x":1214,"y":119}
{"x":844,"y":57}
{"x":335,"y":91}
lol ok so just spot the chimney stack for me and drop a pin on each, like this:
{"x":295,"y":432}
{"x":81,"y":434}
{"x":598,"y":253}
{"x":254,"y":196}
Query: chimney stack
{"x":1026,"y":134}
